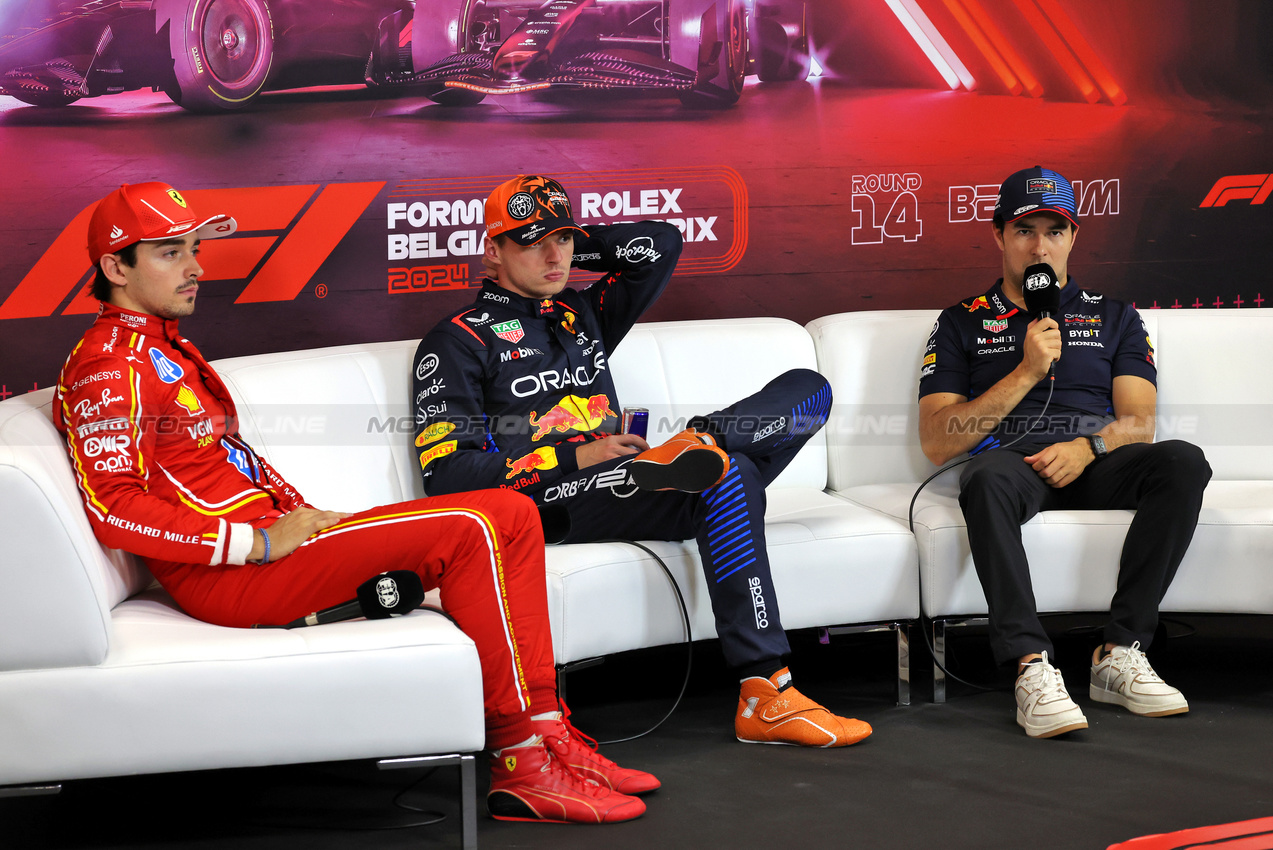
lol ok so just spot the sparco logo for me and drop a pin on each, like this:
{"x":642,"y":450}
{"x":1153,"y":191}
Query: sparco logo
{"x":426,"y":366}
{"x":638,"y":250}
{"x":771,"y":429}
{"x":758,"y":602}
{"x":387,"y":592}
{"x":1035,"y":282}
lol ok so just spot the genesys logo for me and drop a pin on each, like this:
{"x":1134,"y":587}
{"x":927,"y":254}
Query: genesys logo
{"x":1239,"y":187}
{"x":285,"y":234}
{"x":977,"y":203}
{"x":435,"y":226}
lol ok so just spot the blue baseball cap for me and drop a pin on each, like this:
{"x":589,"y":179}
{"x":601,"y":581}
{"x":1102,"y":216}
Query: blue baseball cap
{"x":1036,"y":190}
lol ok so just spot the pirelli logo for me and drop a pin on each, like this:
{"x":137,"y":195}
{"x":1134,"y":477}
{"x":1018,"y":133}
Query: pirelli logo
{"x":285,"y":234}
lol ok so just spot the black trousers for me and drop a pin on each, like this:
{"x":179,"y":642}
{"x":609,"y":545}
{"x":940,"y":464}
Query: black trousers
{"x":1162,"y":482}
{"x":761,"y":434}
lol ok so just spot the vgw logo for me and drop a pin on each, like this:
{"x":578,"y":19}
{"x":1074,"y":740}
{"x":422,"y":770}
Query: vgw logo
{"x":276,"y":265}
{"x":1237,"y":187}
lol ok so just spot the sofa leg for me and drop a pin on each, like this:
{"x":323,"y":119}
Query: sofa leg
{"x":468,"y":803}
{"x":939,"y":661}
{"x":563,"y":669}
{"x":467,"y":787}
{"x":30,"y":790}
{"x":903,"y":662}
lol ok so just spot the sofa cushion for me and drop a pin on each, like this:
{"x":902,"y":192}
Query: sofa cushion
{"x":174,"y":693}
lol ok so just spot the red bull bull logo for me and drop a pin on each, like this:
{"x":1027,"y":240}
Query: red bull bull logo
{"x":545,"y":458}
{"x":572,"y":413}
{"x":977,"y":304}
{"x":599,"y":409}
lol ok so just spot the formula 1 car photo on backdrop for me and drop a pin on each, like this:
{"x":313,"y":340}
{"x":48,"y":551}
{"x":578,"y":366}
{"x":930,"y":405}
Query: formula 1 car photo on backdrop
{"x":219,"y":55}
{"x":463,"y":50}
{"x":207,"y":55}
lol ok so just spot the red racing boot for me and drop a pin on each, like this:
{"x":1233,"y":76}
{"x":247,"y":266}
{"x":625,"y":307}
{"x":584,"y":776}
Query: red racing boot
{"x":530,"y":784}
{"x":579,"y":752}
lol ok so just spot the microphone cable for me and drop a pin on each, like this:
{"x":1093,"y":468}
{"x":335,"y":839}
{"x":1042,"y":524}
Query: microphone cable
{"x":910,"y":521}
{"x":689,"y":642}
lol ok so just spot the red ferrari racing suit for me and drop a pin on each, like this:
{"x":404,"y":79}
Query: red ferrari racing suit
{"x":153,"y":437}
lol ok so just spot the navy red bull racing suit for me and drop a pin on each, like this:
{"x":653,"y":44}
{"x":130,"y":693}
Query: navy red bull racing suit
{"x":508,"y":389}
{"x":153,"y":438}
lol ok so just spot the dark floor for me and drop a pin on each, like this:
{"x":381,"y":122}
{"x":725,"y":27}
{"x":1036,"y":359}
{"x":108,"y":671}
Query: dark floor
{"x":959,"y":775}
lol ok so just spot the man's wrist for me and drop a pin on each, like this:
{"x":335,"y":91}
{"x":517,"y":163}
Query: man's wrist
{"x":1096,"y":444}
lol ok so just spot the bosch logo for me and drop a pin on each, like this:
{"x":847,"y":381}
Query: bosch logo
{"x":1035,"y":282}
{"x":427,"y":366}
{"x":521,"y":206}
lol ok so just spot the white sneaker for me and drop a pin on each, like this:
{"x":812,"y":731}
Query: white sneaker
{"x":1125,"y":678}
{"x":1044,"y":708}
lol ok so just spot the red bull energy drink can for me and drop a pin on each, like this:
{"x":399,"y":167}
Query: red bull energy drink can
{"x":636,"y":420}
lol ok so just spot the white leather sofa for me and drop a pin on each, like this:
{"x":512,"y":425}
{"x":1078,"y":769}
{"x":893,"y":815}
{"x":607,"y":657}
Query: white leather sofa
{"x":102,"y":675}
{"x":1211,"y":392}
{"x":337,"y":423}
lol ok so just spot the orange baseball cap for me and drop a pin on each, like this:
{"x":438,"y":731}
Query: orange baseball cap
{"x":148,"y":212}
{"x":528,"y":208}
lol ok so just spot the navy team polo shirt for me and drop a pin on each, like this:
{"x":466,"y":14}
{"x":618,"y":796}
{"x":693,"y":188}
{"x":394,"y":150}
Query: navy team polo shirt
{"x":975,"y":344}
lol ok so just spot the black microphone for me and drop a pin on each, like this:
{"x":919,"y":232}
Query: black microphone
{"x":389,"y":594}
{"x":1042,"y":291}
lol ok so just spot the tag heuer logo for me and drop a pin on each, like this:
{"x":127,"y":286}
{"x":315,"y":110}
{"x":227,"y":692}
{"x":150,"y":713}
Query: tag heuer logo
{"x":177,"y":199}
{"x":994,"y":326}
{"x":511,"y":331}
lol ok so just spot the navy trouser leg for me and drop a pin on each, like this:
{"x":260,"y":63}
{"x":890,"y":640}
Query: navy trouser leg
{"x":761,"y":433}
{"x":998,"y":492}
{"x":772,"y":425}
{"x":1163,"y":483}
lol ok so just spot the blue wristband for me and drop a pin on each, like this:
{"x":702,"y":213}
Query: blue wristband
{"x":265,"y":535}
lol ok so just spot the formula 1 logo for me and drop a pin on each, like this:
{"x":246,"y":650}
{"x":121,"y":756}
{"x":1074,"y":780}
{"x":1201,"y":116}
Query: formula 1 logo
{"x":870,"y":193}
{"x":1235,"y":187}
{"x":275,"y":266}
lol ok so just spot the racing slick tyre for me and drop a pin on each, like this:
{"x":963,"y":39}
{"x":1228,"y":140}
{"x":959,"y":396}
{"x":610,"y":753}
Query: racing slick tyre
{"x":222,"y":51}
{"x":780,"y":41}
{"x":443,"y":28}
{"x":722,"y":55}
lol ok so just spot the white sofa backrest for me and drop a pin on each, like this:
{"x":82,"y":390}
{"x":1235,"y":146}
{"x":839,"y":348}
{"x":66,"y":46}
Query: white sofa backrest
{"x":1213,"y":389}
{"x":872,"y":360}
{"x":337,"y":422}
{"x":57,"y":584}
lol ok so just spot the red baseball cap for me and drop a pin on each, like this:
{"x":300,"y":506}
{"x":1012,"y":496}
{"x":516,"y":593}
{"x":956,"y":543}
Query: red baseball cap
{"x":528,"y":208}
{"x":148,"y":212}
